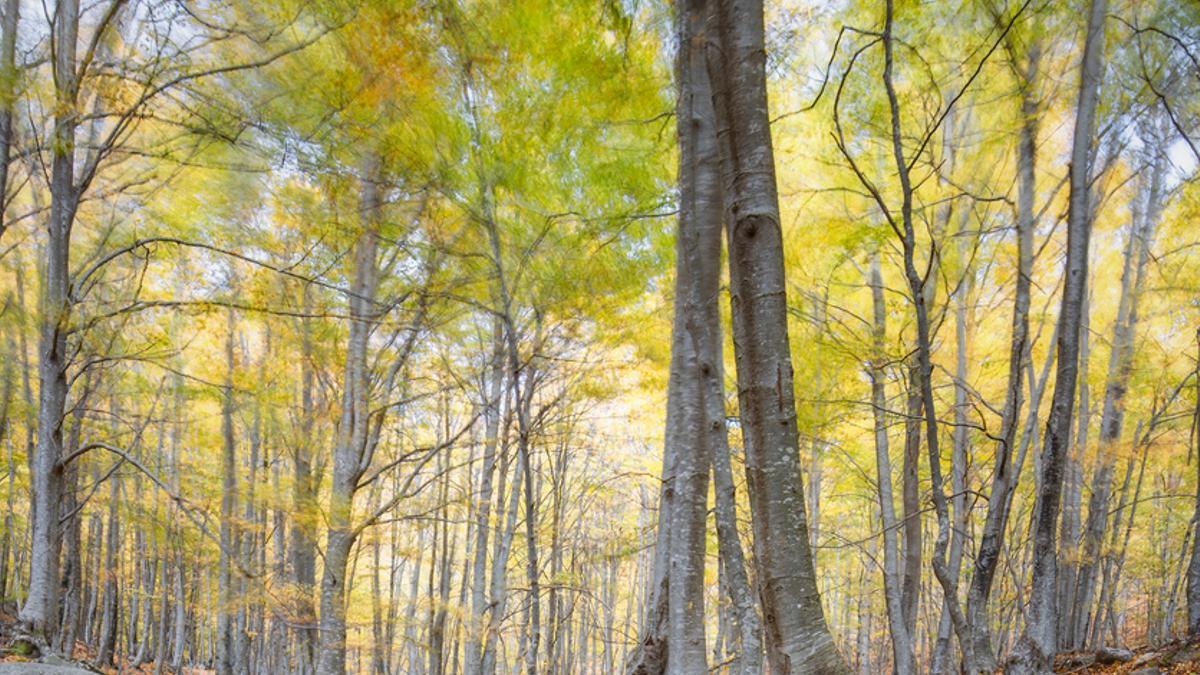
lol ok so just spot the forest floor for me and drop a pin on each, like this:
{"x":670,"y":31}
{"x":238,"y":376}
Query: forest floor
{"x":81,"y":660}
{"x":1178,"y":657}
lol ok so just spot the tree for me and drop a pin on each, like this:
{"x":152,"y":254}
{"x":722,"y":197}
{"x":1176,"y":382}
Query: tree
{"x":797,"y":639}
{"x":1038,"y":639}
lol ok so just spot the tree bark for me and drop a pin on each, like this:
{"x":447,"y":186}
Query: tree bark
{"x":904,"y":661}
{"x":111,"y":602}
{"x":695,"y":346}
{"x":1193,"y":569}
{"x":500,"y":555}
{"x":1004,"y":474}
{"x":796,"y":635}
{"x":1037,"y":646}
{"x":910,"y":498}
{"x":1120,"y":366}
{"x":40,"y":611}
{"x":921,"y":301}
{"x":352,"y":432}
{"x":229,"y":497}
{"x":482,"y":504}
{"x":303,"y":548}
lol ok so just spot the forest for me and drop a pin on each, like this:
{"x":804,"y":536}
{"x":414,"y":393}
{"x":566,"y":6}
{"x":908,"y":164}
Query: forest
{"x":556,"y":337}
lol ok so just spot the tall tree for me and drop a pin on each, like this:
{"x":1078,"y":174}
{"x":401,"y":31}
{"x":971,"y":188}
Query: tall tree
{"x":41,"y":602}
{"x":898,"y":625}
{"x":351,"y":454}
{"x":1193,"y":569}
{"x":797,"y":638}
{"x":1005,"y":473}
{"x":1038,"y":641}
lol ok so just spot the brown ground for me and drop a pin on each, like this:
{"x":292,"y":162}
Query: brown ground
{"x":1180,"y":657}
{"x":82,"y":655}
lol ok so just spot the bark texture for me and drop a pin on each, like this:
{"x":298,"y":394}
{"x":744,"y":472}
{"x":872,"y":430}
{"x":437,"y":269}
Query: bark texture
{"x":1038,"y":642}
{"x":39,"y":612}
{"x":353,"y":430}
{"x":1005,"y":474}
{"x":796,"y":635}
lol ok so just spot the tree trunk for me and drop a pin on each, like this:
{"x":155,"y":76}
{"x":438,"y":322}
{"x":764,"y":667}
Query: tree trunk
{"x":1193,"y":569}
{"x":902,"y":639}
{"x":112,"y":602}
{"x":1004,"y":474}
{"x":352,"y":433}
{"x":72,"y":582}
{"x":921,"y":301}
{"x":910,"y":488}
{"x":695,"y":344}
{"x":8,"y":81}
{"x":6,"y":533}
{"x":796,"y":635}
{"x":1068,"y":549}
{"x":482,"y":505}
{"x":1120,"y":366}
{"x":1037,"y":647}
{"x":500,"y":554}
{"x":229,"y":488}
{"x":303,"y":549}
{"x":40,"y":611}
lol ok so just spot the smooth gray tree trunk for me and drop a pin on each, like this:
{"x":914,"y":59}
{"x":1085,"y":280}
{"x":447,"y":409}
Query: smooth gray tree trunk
{"x":1037,"y":646}
{"x":695,"y":346}
{"x":1120,"y":367}
{"x":39,"y":613}
{"x":1005,"y":472}
{"x":1193,"y":568}
{"x":796,"y":636}
{"x":303,"y":546}
{"x":353,"y":431}
{"x":226,"y":591}
{"x":921,"y":300}
{"x":904,"y":662}
{"x":482,"y":505}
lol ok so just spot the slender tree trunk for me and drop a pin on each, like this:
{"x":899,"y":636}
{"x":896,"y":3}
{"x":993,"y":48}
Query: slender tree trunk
{"x":72,"y":583}
{"x":352,"y":434}
{"x":747,"y":627}
{"x":40,"y":611}
{"x":695,"y":348}
{"x":1005,"y":474}
{"x":961,"y":449}
{"x":378,"y":644}
{"x":303,"y":548}
{"x":1068,"y":549}
{"x":473,"y":656}
{"x":1193,"y":568}
{"x":1120,"y":366}
{"x":921,"y":301}
{"x":532,"y":574}
{"x":910,"y":488}
{"x":796,"y":634}
{"x":8,"y":82}
{"x":248,"y":636}
{"x":1037,"y":646}
{"x":902,"y":639}
{"x":229,"y":496}
{"x":1116,"y":557}
{"x":500,"y":555}
{"x":112,"y":602}
{"x":6,"y":535}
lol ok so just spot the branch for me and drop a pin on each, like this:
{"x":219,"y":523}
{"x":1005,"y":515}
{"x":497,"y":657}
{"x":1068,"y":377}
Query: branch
{"x":978,"y":68}
{"x":83,"y":277}
{"x":178,"y":500}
